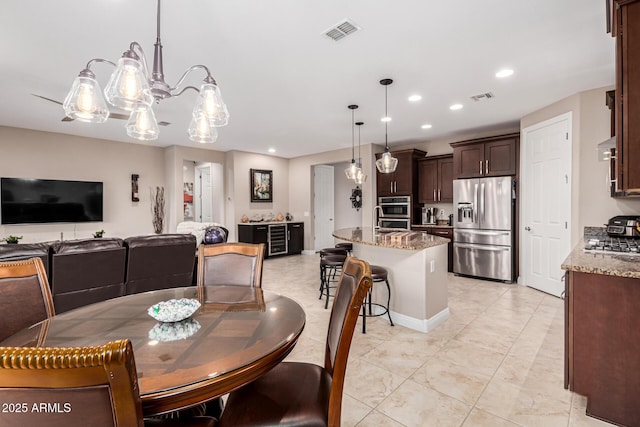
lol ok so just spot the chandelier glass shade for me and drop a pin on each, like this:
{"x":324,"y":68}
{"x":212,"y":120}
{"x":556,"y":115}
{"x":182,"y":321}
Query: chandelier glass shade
{"x":142,"y":123}
{"x":133,"y":87}
{"x":386,"y":163}
{"x":350,"y":171}
{"x":85,"y":102}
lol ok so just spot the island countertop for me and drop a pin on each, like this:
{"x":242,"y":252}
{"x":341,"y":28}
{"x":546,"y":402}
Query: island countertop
{"x":609,"y":264}
{"x":366,"y":236}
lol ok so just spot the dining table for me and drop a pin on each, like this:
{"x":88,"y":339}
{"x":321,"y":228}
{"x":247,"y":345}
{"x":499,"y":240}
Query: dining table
{"x":237,"y":334}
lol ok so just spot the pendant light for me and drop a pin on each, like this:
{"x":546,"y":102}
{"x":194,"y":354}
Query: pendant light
{"x":361,"y":177}
{"x":351,"y":170}
{"x":386,"y":163}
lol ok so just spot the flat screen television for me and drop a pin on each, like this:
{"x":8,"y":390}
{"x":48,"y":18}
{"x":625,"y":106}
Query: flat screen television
{"x":29,"y":201}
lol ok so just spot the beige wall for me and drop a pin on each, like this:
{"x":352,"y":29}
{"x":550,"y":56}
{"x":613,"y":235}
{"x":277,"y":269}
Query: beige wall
{"x":591,"y":204}
{"x":34,"y":154}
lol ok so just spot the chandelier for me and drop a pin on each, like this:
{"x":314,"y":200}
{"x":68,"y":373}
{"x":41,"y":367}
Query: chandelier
{"x":360,"y":177}
{"x":133,"y":88}
{"x":387,"y":163}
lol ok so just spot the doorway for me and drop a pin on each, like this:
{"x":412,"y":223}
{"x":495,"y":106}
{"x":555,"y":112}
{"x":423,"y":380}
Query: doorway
{"x":546,"y":202}
{"x":323,"y":206}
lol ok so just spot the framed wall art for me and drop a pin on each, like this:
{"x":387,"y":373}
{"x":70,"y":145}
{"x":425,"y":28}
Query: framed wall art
{"x":261,"y":185}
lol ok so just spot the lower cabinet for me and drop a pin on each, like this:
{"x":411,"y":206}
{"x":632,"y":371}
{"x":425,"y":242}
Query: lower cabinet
{"x":279,"y":238}
{"x":447,"y":233}
{"x":602,"y":344}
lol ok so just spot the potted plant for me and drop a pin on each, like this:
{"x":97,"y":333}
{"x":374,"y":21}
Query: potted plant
{"x":12,"y":239}
{"x":98,"y":234}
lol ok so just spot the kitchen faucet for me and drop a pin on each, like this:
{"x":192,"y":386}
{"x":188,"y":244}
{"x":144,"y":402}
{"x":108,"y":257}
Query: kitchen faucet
{"x":376,"y":223}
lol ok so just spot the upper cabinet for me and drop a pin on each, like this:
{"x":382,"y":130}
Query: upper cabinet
{"x":402,"y":182}
{"x":494,"y":156}
{"x":435,"y":179}
{"x":626,"y":29}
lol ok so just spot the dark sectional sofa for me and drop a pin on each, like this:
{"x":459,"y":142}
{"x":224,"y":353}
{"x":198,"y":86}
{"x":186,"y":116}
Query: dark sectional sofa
{"x":82,"y":272}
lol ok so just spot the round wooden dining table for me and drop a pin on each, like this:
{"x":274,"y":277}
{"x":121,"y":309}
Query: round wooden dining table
{"x":237,"y":335}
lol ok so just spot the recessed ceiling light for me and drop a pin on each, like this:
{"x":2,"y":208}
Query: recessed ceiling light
{"x":415,"y":98}
{"x":427,"y":126}
{"x":456,"y":107}
{"x":385,"y":119}
{"x":271,"y":150}
{"x":504,"y":73}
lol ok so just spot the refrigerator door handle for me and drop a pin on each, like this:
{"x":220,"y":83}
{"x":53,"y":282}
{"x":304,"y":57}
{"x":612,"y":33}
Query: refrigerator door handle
{"x":475,"y":203}
{"x":482,"y":247}
{"x":481,"y":196}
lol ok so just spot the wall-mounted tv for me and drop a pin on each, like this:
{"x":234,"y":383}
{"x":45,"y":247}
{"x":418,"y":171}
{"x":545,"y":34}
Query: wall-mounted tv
{"x":29,"y":201}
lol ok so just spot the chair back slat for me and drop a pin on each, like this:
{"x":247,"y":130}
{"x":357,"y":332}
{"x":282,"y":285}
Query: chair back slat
{"x":230,"y":264}
{"x":25,"y":297}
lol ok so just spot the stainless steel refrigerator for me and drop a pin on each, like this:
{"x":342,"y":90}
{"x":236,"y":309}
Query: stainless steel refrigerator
{"x":483,"y":227}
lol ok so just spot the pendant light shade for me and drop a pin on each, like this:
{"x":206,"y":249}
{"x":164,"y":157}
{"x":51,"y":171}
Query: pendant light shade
{"x":85,"y":101}
{"x":210,"y":103}
{"x":350,"y":172}
{"x":200,"y":129}
{"x":128,"y":86}
{"x":142,"y":123}
{"x":361,"y":177}
{"x":387,"y":163}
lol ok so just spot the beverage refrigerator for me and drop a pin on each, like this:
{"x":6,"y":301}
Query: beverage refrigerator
{"x":483,"y":235}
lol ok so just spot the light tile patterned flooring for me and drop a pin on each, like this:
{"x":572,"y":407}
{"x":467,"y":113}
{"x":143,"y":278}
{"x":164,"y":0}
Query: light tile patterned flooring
{"x":497,"y":361}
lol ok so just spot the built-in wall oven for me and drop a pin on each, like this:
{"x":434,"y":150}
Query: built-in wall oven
{"x":395,"y":212}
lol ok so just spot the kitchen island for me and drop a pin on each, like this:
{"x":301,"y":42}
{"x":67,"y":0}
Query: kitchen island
{"x":417,"y":269}
{"x":602,"y":334}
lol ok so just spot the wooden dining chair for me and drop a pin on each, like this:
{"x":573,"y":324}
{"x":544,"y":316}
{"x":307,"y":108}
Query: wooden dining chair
{"x":230,"y":264}
{"x":305,"y":394}
{"x":25,"y":297}
{"x":75,"y":386}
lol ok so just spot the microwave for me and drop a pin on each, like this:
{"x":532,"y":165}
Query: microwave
{"x":404,"y":223}
{"x":395,"y":207}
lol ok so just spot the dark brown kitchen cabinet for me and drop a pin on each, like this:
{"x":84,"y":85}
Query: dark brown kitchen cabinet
{"x":626,"y":29}
{"x":494,"y":156}
{"x":435,"y":179}
{"x":279,"y":238}
{"x":602,"y":344}
{"x":296,"y":237}
{"x":404,"y":181}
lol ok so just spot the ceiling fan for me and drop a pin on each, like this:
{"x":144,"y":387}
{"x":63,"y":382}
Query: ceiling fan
{"x":112,"y":115}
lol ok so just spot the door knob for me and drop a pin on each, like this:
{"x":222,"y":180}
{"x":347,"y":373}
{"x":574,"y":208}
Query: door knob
{"x":527,"y":228}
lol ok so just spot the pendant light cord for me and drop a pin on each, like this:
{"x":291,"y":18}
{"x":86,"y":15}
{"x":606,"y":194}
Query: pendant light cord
{"x":386,"y":122}
{"x":353,"y":158}
{"x":158,"y":22}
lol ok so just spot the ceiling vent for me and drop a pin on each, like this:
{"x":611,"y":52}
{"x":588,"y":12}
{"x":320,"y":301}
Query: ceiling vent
{"x":480,"y":97}
{"x":341,"y":30}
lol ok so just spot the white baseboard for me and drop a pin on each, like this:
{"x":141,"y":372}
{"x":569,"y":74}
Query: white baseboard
{"x":424,"y":325}
{"x":308,"y":252}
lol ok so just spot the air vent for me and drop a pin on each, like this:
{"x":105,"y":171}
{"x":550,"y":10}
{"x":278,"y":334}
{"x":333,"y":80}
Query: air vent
{"x":341,"y":30}
{"x":480,"y":97}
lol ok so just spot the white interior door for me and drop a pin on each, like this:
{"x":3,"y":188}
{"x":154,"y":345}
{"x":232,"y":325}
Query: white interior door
{"x":323,"y":208}
{"x":203,"y":196}
{"x":546,"y":201}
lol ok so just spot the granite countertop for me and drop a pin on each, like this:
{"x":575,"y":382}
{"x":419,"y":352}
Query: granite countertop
{"x":266,"y":222}
{"x":366,"y":236}
{"x":600,"y":263}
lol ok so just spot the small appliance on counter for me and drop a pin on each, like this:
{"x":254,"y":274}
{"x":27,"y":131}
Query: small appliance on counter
{"x":429,"y":216}
{"x":623,"y":226}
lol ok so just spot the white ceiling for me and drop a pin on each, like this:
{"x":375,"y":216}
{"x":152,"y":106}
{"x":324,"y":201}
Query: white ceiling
{"x":287,"y":86}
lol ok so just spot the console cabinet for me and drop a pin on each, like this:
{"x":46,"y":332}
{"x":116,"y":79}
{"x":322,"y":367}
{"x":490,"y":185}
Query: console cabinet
{"x":279,"y":238}
{"x":494,"y":156}
{"x":435,"y":179}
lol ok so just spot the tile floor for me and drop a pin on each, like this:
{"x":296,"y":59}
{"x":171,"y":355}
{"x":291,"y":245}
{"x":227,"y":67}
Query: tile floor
{"x":497,"y":361}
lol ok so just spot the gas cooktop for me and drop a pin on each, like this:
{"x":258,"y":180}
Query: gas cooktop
{"x":614,"y":245}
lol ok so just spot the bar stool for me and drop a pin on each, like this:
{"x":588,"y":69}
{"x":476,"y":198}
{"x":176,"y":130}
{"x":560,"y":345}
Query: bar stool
{"x":323,"y":253}
{"x":346,"y":246}
{"x":378,"y":274}
{"x":330,"y":265}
